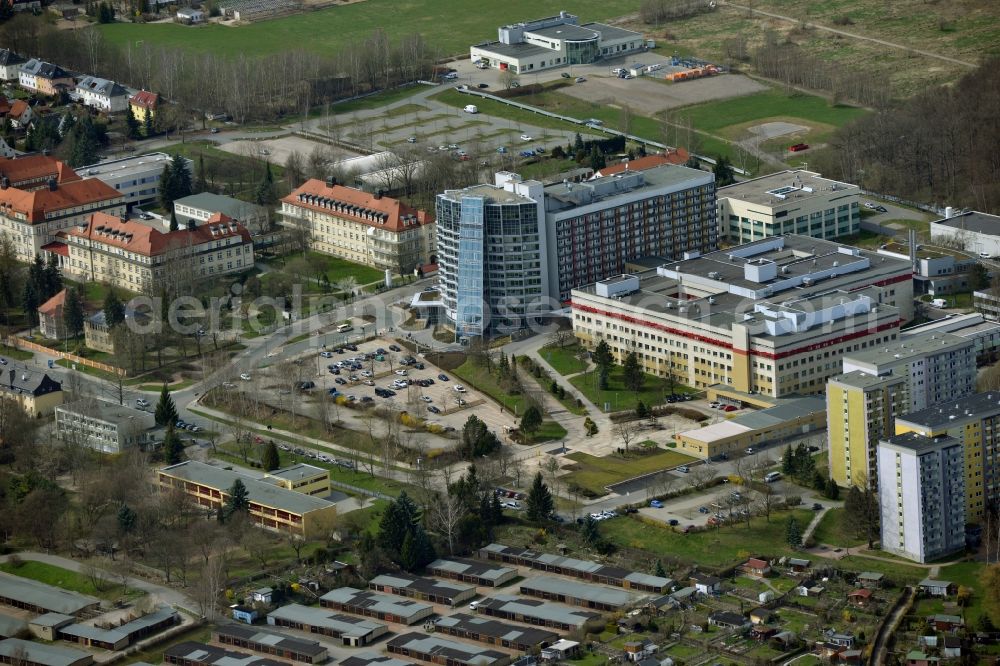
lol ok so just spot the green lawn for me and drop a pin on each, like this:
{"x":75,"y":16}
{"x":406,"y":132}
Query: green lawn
{"x":654,"y":391}
{"x":15,"y":354}
{"x":837,"y":529}
{"x":381,"y":99}
{"x":589,"y":659}
{"x":479,"y":377}
{"x":447,"y":24}
{"x":336,"y":269}
{"x":769,"y":104}
{"x":65,"y":579}
{"x":595,"y":473}
{"x":899,"y":574}
{"x":564,"y":360}
{"x":548,"y":432}
{"x":967,"y":575}
{"x":721,"y":547}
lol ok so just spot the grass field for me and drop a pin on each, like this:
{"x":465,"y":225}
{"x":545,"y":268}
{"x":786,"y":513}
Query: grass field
{"x":654,"y":391}
{"x":836,"y":529}
{"x":596,"y":473}
{"x":898,"y":574}
{"x":15,"y":354}
{"x":711,"y":548}
{"x":564,"y":360}
{"x":447,"y":24}
{"x":64,"y":578}
{"x":334,"y":268}
{"x":480,"y":378}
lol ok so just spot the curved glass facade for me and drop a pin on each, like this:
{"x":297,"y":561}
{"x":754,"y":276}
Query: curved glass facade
{"x":582,"y":53}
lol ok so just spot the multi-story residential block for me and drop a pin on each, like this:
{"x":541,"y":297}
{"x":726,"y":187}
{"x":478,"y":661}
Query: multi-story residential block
{"x":516,"y":249}
{"x":554,"y":41}
{"x":202,"y":206}
{"x":142,"y":104}
{"x":44,"y":77}
{"x":137,"y":178}
{"x":272,"y":506}
{"x":104,"y":426}
{"x":773,"y":317}
{"x":975,"y":422}
{"x":973,"y":231}
{"x":102,"y":94}
{"x":33,"y":214}
{"x":137,"y":257}
{"x":922,"y":496}
{"x":879,"y":383}
{"x":10,"y":65}
{"x":984,"y":334}
{"x":368,"y":229}
{"x":789,"y":202}
{"x":34,"y":390}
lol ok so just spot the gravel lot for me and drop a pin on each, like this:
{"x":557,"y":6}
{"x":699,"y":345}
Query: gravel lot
{"x":648,"y":97}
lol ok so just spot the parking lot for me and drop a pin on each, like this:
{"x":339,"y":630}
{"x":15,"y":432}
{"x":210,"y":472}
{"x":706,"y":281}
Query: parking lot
{"x":374,"y":373}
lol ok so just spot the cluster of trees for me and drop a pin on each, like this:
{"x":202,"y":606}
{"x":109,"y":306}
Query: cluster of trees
{"x":246,"y":86}
{"x":799,"y":464}
{"x":175,"y":183}
{"x":43,"y":282}
{"x":402,"y":537}
{"x":862,"y":505}
{"x":936,"y":147}
{"x":657,"y":12}
{"x":477,"y":439}
{"x":780,"y":58}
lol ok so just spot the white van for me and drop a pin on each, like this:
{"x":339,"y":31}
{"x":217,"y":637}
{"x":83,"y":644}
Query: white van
{"x":939,"y":303}
{"x":471,"y":108}
{"x":344,"y":328}
{"x":771,"y":477}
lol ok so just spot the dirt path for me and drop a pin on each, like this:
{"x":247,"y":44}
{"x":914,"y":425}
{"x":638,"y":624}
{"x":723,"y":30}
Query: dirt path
{"x":852,"y":35}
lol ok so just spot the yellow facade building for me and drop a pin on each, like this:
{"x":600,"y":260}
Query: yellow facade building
{"x":273,"y":506}
{"x":35,"y":391}
{"x":975,"y":422}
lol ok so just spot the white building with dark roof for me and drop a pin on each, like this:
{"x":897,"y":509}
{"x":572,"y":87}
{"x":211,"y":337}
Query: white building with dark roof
{"x":554,"y":41}
{"x":481,"y":574}
{"x":424,"y":589}
{"x":102,"y":94}
{"x":973,"y":231}
{"x":378,"y":606}
{"x":444,"y":652}
{"x":349,"y":630}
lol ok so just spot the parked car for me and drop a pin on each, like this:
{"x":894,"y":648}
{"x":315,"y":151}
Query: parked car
{"x":526,"y":137}
{"x":245,"y":376}
{"x":683,"y":469}
{"x":798,"y":147}
{"x":527,"y":153}
{"x":673,"y":522}
{"x":580,"y":79}
{"x":729,"y":408}
{"x":483,"y":85}
{"x":443,"y":377}
{"x":433,"y":410}
{"x":565,"y":75}
{"x":656,"y":504}
{"x":459,"y":388}
{"x":142,"y":403}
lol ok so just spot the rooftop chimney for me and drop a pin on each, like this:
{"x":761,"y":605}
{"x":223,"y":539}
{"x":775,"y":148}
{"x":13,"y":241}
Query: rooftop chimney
{"x":331,"y":181}
{"x":53,"y":185}
{"x":378,"y":194}
{"x":4,"y":183}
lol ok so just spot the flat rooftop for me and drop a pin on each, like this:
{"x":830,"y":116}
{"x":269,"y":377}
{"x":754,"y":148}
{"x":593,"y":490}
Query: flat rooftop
{"x":373,"y":659}
{"x":52,"y":599}
{"x":955,"y":411}
{"x":786,"y":187}
{"x":125,"y":166}
{"x":923,"y":253}
{"x":252,"y":634}
{"x":259,"y":491}
{"x":783,"y":412}
{"x":900,"y":351}
{"x":982,"y":223}
{"x":561,"y":197}
{"x":375,"y":601}
{"x":486,"y":570}
{"x":537,"y":608}
{"x":14,"y":650}
{"x":448,"y":650}
{"x":499,"y":629}
{"x":426,"y":585}
{"x":203,"y":653}
{"x":918,"y":443}
{"x":298,"y":471}
{"x":324,"y":617}
{"x":491,"y":193}
{"x":864,"y":380}
{"x":520,"y":50}
{"x":578,"y":590}
{"x":121,"y":632}
{"x":566,"y":31}
{"x":110,"y":412}
{"x":610,"y":32}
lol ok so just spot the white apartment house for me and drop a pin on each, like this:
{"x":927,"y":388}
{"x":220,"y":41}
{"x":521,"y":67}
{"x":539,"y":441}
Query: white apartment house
{"x":136,"y":178}
{"x":101,"y":94}
{"x":788,"y":202}
{"x":103,"y":426}
{"x":922,"y":496}
{"x":365,"y":228}
{"x":554,"y":41}
{"x":10,"y":64}
{"x":137,"y":257}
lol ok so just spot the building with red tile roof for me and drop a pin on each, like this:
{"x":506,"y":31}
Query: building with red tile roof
{"x":142,"y":103}
{"x":366,"y":228}
{"x":51,"y":197}
{"x":673,"y":156}
{"x":135,"y":255}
